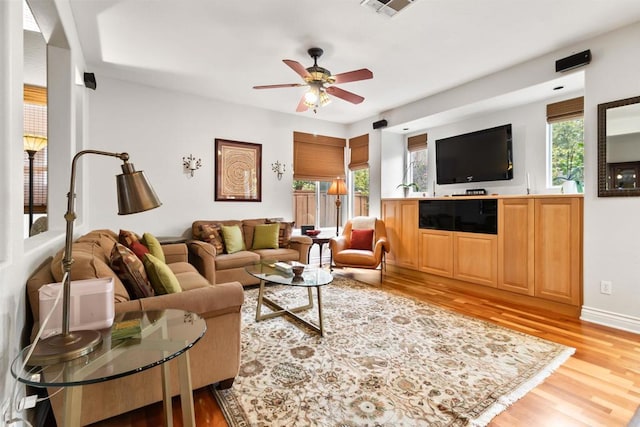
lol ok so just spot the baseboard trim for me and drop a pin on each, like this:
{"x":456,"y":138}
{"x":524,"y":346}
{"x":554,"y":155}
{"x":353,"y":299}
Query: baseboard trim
{"x":611,"y":319}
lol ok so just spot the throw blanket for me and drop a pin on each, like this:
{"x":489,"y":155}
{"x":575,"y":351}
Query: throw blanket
{"x":363,"y":223}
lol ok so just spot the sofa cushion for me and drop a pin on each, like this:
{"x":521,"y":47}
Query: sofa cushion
{"x":361,"y":239}
{"x":233,"y":241}
{"x":163,"y":280}
{"x":265,"y":236}
{"x":154,"y":246}
{"x":281,"y":254}
{"x":236,"y":260}
{"x":211,"y":233}
{"x":188,"y":276}
{"x":86,"y":265}
{"x":130,"y":270}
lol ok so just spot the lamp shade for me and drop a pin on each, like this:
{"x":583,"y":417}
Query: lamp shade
{"x":34,"y":142}
{"x":338,"y":188}
{"x":135,"y":194}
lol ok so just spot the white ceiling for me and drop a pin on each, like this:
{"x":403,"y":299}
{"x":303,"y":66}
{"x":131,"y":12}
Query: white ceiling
{"x":221,"y":49}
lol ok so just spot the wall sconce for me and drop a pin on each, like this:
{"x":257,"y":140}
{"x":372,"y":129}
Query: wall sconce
{"x":278,"y":168}
{"x":191,"y":164}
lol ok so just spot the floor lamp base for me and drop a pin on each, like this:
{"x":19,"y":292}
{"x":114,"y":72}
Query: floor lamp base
{"x":60,"y":348}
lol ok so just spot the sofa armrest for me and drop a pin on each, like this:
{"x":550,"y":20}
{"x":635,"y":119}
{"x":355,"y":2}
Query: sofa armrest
{"x":175,"y":252}
{"x":302,"y":245}
{"x":207,"y":302}
{"x":202,"y":256}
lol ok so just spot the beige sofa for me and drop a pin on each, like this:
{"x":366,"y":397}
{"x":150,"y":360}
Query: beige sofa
{"x":214,"y":359}
{"x":230,"y":267}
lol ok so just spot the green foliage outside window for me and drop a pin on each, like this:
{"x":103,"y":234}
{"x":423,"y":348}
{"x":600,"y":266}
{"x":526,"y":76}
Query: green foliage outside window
{"x":419,"y":169}
{"x":361,"y":181}
{"x":567,"y":152}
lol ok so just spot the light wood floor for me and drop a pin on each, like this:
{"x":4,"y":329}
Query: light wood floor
{"x":598,"y":386}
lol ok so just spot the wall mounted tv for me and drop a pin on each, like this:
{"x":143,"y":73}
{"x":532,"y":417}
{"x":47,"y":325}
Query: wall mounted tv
{"x":484,"y":155}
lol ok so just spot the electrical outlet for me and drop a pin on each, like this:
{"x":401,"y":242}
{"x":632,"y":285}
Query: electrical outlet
{"x":606,"y":287}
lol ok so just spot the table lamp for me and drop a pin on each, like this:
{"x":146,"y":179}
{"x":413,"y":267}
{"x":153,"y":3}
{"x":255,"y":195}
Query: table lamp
{"x":134,"y":195}
{"x":337,"y":188}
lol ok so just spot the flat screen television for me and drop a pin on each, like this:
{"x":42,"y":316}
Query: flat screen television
{"x":484,"y":155}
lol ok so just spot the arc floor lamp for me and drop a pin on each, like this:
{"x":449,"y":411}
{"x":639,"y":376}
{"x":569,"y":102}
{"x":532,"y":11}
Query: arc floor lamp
{"x":135,"y":194}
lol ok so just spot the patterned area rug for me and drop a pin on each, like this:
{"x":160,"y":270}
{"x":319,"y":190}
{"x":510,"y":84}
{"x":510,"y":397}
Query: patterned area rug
{"x":385,"y":360}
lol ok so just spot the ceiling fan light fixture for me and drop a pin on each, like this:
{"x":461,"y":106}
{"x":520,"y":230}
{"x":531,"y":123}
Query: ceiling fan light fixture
{"x":324,"y":98}
{"x":312,"y":96}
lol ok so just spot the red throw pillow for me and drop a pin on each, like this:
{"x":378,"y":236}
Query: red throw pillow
{"x":139,"y":249}
{"x":361,"y":239}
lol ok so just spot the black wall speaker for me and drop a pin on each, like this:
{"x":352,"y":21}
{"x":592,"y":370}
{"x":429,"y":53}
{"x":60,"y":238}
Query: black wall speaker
{"x":90,"y":80}
{"x":573,"y":61}
{"x":379,"y":124}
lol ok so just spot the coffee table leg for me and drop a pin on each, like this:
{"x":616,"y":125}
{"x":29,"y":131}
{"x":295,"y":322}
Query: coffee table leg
{"x":320,"y":319}
{"x":166,"y":395}
{"x":186,"y":392}
{"x":260,"y":296}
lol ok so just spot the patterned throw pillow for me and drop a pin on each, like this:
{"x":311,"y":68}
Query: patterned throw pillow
{"x":212,"y":233}
{"x":285,"y":232}
{"x":127,"y":238}
{"x":131,"y":271}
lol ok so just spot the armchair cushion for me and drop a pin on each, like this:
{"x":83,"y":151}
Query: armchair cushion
{"x":362,"y":239}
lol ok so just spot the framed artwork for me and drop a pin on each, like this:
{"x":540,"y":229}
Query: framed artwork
{"x":238,"y":171}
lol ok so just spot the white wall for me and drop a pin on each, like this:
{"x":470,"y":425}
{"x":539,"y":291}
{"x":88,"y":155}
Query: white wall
{"x":157,"y":128}
{"x":20,"y":257}
{"x":612,"y":229}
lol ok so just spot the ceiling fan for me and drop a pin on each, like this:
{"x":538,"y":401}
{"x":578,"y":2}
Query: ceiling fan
{"x":319,"y":81}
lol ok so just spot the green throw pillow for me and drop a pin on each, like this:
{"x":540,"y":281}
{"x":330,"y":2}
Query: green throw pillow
{"x":266,"y":236}
{"x":155,"y":248}
{"x":233,"y":241}
{"x":160,"y":275}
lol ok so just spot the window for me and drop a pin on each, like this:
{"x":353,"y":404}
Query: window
{"x":359,"y":167}
{"x":416,"y":171}
{"x":360,"y":192}
{"x":317,"y":161}
{"x":566,"y":142}
{"x":312,"y":205}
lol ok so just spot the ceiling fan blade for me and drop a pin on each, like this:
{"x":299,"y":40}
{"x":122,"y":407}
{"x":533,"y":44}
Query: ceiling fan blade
{"x":297,"y":67}
{"x":346,"y":95}
{"x":277,"y":86}
{"x":301,"y":106}
{"x":354,"y":76}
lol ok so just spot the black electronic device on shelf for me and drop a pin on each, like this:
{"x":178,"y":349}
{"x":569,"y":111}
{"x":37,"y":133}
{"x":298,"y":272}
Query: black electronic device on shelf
{"x":471,"y":216}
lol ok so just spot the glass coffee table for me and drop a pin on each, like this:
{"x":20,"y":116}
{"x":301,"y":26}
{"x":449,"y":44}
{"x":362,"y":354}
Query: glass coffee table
{"x":312,"y":277}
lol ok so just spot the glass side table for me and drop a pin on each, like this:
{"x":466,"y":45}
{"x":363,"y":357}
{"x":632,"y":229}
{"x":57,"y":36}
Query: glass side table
{"x":165,"y":334}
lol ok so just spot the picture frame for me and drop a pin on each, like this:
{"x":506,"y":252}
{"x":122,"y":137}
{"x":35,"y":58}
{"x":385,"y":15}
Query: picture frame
{"x":238,"y":176}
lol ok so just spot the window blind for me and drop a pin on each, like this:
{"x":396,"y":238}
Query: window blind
{"x":317,"y":157}
{"x":565,"y":110}
{"x":35,"y":123}
{"x":359,"y":152}
{"x":417,"y":142}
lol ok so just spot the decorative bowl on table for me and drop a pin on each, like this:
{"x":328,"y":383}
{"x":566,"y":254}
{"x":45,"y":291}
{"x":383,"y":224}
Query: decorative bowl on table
{"x":297,"y":270}
{"x":312,"y":232}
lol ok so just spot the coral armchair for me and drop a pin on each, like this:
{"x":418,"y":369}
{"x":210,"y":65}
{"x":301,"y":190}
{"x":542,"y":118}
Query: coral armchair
{"x":363,"y":244}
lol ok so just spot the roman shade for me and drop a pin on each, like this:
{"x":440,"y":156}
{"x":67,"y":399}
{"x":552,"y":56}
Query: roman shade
{"x":565,"y":110}
{"x":417,"y":142}
{"x":317,"y":157}
{"x":359,"y":152}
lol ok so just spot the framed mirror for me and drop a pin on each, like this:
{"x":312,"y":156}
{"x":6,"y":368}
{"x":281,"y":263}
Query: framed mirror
{"x":619,"y":148}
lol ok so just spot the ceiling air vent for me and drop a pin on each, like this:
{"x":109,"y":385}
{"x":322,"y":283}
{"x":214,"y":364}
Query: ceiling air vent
{"x":387,"y":7}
